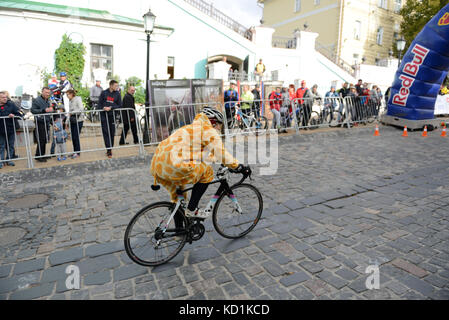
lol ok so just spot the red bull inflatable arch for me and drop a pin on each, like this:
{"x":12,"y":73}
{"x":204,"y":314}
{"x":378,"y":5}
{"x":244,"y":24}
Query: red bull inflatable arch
{"x":420,"y":75}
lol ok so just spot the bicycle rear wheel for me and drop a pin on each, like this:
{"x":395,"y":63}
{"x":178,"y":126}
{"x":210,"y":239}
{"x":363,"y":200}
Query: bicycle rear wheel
{"x":145,"y":242}
{"x":231,"y":224}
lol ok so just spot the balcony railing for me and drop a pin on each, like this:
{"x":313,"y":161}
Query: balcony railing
{"x":284,"y":42}
{"x":222,"y":18}
{"x":330,"y":54}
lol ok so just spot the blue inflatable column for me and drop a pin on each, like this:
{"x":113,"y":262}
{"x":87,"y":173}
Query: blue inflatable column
{"x":422,"y":71}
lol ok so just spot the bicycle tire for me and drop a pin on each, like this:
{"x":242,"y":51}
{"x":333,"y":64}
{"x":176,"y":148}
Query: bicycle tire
{"x":127,"y":242}
{"x":254,"y":221}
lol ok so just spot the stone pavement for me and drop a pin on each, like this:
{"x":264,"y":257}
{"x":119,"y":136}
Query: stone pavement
{"x":340,"y":201}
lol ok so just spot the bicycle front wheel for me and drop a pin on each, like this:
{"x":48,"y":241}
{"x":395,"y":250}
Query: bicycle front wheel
{"x":145,"y":241}
{"x":234,"y":217}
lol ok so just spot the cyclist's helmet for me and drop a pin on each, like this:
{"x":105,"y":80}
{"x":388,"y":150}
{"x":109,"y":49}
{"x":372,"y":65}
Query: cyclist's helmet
{"x":213,"y":115}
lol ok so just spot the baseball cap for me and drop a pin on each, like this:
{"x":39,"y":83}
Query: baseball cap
{"x":233,"y":82}
{"x":63,"y":74}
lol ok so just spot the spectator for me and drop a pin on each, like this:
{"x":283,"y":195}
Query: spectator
{"x":7,"y":128}
{"x":443,"y":90}
{"x":343,"y":92}
{"x":247,"y":100}
{"x":291,"y":92}
{"x":60,"y":136}
{"x":286,"y":110}
{"x":359,"y":87}
{"x":109,"y":100}
{"x":176,"y":119}
{"x":64,"y":86}
{"x":315,"y":95}
{"x":275,"y":106}
{"x":129,"y":117}
{"x":231,"y":98}
{"x":330,"y":103}
{"x":259,"y":70}
{"x":53,"y":81}
{"x":76,"y":120}
{"x":95,"y":93}
{"x":40,"y":108}
{"x":257,"y":103}
{"x":352,"y":105}
{"x":16,"y":121}
{"x":303,"y":95}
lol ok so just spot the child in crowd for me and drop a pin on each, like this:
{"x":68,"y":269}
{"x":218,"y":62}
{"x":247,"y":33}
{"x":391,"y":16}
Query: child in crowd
{"x":60,"y":136}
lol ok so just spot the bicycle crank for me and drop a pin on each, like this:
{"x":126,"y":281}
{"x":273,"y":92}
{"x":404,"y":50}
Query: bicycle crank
{"x":197,"y":231}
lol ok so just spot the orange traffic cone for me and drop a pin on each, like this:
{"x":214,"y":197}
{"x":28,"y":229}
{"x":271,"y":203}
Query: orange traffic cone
{"x":405,"y":134}
{"x":376,"y":132}
{"x":424,"y":133}
{"x":443,"y":133}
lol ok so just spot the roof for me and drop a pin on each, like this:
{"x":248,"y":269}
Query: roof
{"x":57,"y":9}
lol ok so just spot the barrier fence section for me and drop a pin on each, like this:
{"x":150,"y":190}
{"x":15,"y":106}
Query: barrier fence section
{"x":159,"y":122}
{"x":13,"y":141}
{"x":245,"y":117}
{"x":51,"y":133}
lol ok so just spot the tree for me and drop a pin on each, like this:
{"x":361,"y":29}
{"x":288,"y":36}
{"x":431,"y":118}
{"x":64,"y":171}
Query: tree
{"x":415,"y":15}
{"x":69,"y":57}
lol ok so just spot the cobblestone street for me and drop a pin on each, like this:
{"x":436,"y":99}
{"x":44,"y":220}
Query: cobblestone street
{"x":340,"y":201}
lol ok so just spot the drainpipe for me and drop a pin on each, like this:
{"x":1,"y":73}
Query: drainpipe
{"x":340,"y":30}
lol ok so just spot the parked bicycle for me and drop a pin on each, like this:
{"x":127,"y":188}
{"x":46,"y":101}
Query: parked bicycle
{"x":247,"y":122}
{"x":159,"y":231}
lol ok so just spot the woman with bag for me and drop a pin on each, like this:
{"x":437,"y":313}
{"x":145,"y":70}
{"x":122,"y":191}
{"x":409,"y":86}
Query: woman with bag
{"x":76,"y":120}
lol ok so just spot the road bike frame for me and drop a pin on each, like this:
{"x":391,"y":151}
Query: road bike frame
{"x":181,"y":203}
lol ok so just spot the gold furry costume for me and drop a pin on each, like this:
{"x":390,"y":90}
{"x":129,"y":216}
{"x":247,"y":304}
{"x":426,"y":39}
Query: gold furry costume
{"x":180,"y":159}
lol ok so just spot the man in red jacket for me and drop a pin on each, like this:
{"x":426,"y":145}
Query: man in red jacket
{"x":305,"y":103}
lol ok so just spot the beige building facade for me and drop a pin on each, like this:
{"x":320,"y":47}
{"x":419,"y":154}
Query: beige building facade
{"x":350,"y":31}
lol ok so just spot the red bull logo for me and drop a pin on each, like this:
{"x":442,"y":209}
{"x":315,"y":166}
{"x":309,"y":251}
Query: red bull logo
{"x":401,"y":97}
{"x":411,"y":68}
{"x":444,"y":20}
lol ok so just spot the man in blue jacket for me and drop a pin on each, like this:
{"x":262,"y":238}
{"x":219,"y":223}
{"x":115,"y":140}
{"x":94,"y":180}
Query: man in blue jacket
{"x":110,"y":99}
{"x":7,"y":138}
{"x":231,"y":98}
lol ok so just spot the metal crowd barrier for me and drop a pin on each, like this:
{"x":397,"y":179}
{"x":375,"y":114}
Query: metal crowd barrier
{"x":163,"y":120}
{"x":312,"y":113}
{"x":246,"y":117}
{"x":14,"y":142}
{"x":158,"y":122}
{"x":85,"y":137}
{"x":364,"y":109}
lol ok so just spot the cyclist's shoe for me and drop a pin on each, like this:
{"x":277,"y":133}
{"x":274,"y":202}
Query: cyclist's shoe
{"x":198,"y":213}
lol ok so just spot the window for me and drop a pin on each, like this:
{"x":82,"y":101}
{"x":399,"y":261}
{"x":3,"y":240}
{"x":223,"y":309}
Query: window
{"x":316,"y":2}
{"x":101,"y":57}
{"x":380,"y":35}
{"x":397,"y":6}
{"x":357,"y":30}
{"x":297,"y":5}
{"x":171,"y":67}
{"x":383,"y":4}
{"x":396,"y":30}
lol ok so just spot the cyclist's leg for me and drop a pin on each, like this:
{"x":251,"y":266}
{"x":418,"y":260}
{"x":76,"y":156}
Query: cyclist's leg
{"x":204,"y":174}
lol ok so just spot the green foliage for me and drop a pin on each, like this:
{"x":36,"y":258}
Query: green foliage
{"x":139,"y":96}
{"x":69,"y":57}
{"x":416,"y":14}
{"x":45,"y":76}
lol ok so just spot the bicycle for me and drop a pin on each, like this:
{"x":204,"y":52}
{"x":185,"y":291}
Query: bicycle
{"x":160,"y":230}
{"x":248,"y":122}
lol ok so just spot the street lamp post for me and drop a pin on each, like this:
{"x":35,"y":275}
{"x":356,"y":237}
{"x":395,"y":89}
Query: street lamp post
{"x":148,"y":19}
{"x":400,"y":45}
